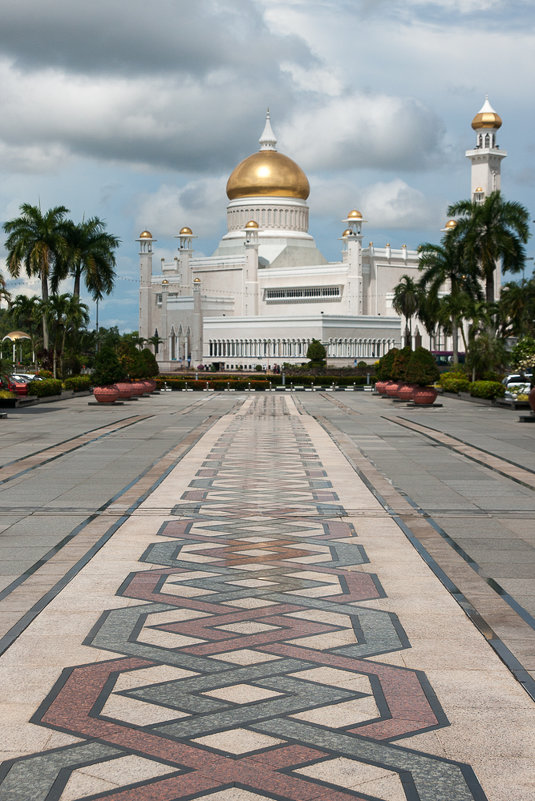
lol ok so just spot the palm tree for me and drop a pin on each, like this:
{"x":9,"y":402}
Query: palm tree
{"x":516,"y":308}
{"x":26,"y":314}
{"x":90,"y":254}
{"x":4,"y":294}
{"x":36,"y":241}
{"x":66,"y":315}
{"x":445,"y":268}
{"x":406,"y":301}
{"x":491,"y":232}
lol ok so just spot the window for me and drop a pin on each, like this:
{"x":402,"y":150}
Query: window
{"x":303,"y":294}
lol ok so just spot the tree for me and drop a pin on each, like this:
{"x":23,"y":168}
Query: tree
{"x":491,"y":232}
{"x":316,"y":353}
{"x":4,"y":294}
{"x":405,"y":302}
{"x":90,"y":253}
{"x":26,"y":314}
{"x":66,"y":315}
{"x":516,"y":309}
{"x":36,"y":241}
{"x":444,"y":267}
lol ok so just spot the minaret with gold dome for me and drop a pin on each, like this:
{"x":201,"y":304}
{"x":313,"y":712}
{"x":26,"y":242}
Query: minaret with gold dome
{"x":271,"y":189}
{"x":486,"y":156}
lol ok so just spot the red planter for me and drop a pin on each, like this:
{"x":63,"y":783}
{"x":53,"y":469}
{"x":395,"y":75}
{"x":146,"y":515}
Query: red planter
{"x":531,"y":398}
{"x":138,"y":388}
{"x":424,"y":396}
{"x":405,"y":392}
{"x":380,"y":387}
{"x":106,"y":394}
{"x":125,"y":390}
{"x":391,"y":389}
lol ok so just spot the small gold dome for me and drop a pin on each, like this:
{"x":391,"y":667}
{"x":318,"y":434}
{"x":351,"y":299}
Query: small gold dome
{"x":487,"y":120}
{"x":251,"y":224}
{"x":347,"y":232}
{"x":450,"y":225}
{"x":145,"y":235}
{"x":354,"y":215}
{"x":186,"y":231}
{"x":486,"y":117}
{"x":479,"y":190}
{"x":268,"y":173}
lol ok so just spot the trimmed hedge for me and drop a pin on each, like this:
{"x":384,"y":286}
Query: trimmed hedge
{"x":78,"y":383}
{"x":45,"y":388}
{"x":454,"y":382}
{"x":487,"y":389}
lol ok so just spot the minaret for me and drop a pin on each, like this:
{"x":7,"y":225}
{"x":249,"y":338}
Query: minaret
{"x":145,"y":292}
{"x":353,"y":257}
{"x":486,"y":157}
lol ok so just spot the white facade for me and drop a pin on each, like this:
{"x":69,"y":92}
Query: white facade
{"x":267,"y":291}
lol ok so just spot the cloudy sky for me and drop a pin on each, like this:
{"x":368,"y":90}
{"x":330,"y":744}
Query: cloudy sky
{"x":138,"y":112}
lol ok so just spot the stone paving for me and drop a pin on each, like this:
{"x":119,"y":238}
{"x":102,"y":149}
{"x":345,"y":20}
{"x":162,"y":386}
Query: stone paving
{"x":256,"y":624}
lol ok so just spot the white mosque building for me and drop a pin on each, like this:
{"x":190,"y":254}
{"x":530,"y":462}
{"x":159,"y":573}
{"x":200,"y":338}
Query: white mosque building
{"x":267,"y":291}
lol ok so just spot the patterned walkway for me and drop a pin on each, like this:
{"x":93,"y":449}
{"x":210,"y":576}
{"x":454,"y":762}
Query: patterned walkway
{"x":268,"y":633}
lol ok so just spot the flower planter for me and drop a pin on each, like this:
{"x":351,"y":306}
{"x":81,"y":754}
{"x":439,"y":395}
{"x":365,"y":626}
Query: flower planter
{"x":125,"y":390}
{"x":405,"y":392}
{"x":391,"y":389}
{"x":106,"y":394}
{"x":424,"y":396}
{"x":531,"y":399}
{"x":380,"y":387}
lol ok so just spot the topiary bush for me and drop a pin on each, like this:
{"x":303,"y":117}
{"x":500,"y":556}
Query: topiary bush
{"x":45,"y":388}
{"x":108,"y":369}
{"x":490,"y":390}
{"x":421,"y":369}
{"x":385,"y":364}
{"x":400,"y":364}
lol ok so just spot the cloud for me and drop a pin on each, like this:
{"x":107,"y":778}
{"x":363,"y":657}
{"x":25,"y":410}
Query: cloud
{"x":169,"y":36}
{"x":364,"y":131}
{"x":200,"y":204}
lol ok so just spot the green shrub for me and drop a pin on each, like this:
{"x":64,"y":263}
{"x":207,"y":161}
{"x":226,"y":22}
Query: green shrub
{"x":5,"y":394}
{"x":108,"y":368}
{"x":421,"y":369}
{"x":487,"y":389}
{"x":454,"y":381}
{"x":45,"y":388}
{"x":384,"y":365}
{"x":77,"y":383}
{"x":401,"y":363}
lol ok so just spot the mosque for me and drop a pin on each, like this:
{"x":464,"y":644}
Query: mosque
{"x":267,"y":290}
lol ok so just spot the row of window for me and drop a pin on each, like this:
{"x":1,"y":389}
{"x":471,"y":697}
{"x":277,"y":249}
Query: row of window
{"x":304,"y":292}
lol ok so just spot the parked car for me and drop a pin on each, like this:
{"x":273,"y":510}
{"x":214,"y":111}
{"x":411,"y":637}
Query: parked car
{"x":518,"y":378}
{"x":14,"y":383}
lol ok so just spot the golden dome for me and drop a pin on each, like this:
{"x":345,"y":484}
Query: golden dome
{"x":486,"y":117}
{"x":145,"y":235}
{"x":251,"y":224}
{"x":488,"y":120}
{"x":185,"y":231}
{"x":450,"y":225}
{"x":270,"y":173}
{"x":479,"y":190}
{"x":354,"y":215}
{"x":347,"y":232}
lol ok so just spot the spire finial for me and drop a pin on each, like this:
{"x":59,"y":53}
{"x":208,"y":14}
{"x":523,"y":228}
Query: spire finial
{"x":268,"y":140}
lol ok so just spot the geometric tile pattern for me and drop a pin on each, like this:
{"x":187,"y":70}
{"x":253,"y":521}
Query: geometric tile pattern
{"x":244,"y":672}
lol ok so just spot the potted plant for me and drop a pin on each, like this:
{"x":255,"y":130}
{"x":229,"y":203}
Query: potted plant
{"x":423,"y":372}
{"x":384,"y":371}
{"x":108,"y":369}
{"x":399,"y":373}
